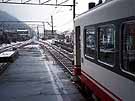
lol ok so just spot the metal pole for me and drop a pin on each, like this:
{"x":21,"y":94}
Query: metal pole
{"x":37,"y":33}
{"x":52,"y":24}
{"x":44,"y":29}
{"x":56,"y":4}
{"x":73,"y":9}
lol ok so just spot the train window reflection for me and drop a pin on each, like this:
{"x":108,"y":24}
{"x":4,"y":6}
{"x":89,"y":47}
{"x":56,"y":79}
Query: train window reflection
{"x":106,"y":44}
{"x":90,"y":42}
{"x":129,"y":47}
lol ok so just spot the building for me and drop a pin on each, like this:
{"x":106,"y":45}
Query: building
{"x":48,"y":34}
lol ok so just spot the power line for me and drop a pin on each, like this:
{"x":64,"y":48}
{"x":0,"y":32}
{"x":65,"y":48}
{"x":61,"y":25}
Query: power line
{"x":30,"y":3}
{"x":63,"y":2}
{"x":45,"y":1}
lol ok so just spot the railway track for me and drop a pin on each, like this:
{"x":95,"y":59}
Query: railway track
{"x":62,"y":56}
{"x":66,"y":60}
{"x":10,"y":47}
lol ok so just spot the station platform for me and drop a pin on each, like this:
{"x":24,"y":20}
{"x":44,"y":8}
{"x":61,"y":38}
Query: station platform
{"x":35,"y":76}
{"x":8,"y":56}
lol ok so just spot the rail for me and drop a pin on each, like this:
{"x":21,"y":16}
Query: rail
{"x":60,"y":55}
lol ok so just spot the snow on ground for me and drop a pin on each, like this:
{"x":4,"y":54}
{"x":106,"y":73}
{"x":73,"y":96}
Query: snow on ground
{"x":14,"y":43}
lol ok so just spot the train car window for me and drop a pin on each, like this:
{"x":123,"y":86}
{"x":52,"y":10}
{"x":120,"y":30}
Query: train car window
{"x":90,"y":40}
{"x":106,"y":44}
{"x":129,"y":47}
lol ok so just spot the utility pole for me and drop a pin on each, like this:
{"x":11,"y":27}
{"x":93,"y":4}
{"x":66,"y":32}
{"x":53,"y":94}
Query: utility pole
{"x":44,"y":29}
{"x":37,"y":33}
{"x":56,"y":2}
{"x":52,"y":24}
{"x":73,"y":9}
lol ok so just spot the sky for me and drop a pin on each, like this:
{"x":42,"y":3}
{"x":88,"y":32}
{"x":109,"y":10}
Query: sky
{"x":62,"y":16}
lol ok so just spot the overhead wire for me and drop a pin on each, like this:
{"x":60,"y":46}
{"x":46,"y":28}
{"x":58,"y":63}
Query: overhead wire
{"x":46,"y":1}
{"x":63,"y":2}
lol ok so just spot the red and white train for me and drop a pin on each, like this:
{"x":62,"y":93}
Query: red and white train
{"x":104,"y":50}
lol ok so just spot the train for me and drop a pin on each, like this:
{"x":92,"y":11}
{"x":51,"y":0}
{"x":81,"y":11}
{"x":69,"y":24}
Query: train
{"x":104,"y":50}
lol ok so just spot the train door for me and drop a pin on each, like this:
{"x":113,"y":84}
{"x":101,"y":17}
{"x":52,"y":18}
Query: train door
{"x":77,"y":51}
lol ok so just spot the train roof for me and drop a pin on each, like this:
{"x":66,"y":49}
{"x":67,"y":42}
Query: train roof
{"x":112,"y":10}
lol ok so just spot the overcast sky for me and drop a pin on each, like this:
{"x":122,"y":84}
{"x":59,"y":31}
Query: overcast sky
{"x":63,"y":16}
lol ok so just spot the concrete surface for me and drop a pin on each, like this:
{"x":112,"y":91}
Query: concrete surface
{"x":35,"y":76}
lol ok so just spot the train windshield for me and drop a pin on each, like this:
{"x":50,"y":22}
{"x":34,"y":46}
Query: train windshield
{"x":129,"y":47}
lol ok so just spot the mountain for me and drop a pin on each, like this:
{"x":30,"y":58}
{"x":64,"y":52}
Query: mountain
{"x":10,"y":22}
{"x":4,"y":16}
{"x":9,"y":26}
